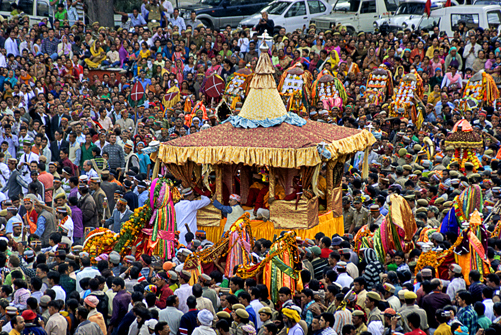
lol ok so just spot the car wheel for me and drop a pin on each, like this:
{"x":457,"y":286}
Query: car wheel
{"x":207,"y":23}
{"x":351,"y":31}
{"x":276,"y":30}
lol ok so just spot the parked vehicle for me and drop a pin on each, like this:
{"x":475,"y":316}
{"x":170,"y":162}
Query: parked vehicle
{"x":290,"y":14}
{"x":36,"y":10}
{"x":356,"y":15}
{"x":217,"y":14}
{"x":447,"y":19}
{"x":408,"y":15}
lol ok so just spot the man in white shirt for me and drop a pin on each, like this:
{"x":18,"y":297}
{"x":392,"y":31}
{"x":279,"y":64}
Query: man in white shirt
{"x":470,"y":52}
{"x":184,"y":291}
{"x":24,"y":162}
{"x":186,"y":213}
{"x":86,"y":272}
{"x":344,"y":278}
{"x":171,"y":314}
{"x":256,"y":305}
{"x":53,"y":278}
{"x":11,"y":45}
{"x":89,"y":170}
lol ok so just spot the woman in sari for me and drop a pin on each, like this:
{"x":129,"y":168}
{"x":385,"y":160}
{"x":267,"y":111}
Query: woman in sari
{"x":283,"y":59}
{"x":98,"y":56}
{"x":333,"y":59}
{"x":418,"y":51}
{"x":64,"y":48}
{"x":351,"y":67}
{"x":372,"y":60}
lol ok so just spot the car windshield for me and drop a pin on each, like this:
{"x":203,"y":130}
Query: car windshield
{"x":408,"y":8}
{"x":278,"y":7}
{"x":487,"y":2}
{"x":347,"y":6}
{"x":429,"y":22}
{"x":210,"y":2}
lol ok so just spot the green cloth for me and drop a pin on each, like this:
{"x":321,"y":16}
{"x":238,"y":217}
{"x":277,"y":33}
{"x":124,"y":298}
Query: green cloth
{"x":61,"y":16}
{"x":484,"y":322}
{"x":86,"y":153}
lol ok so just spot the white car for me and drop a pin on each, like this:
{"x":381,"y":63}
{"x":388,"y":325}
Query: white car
{"x":290,"y":14}
{"x":408,"y":15}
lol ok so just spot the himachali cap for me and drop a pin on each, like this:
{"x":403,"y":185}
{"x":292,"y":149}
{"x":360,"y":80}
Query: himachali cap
{"x":172,"y":275}
{"x":374,"y":208}
{"x":11,"y":310}
{"x":62,"y":210}
{"x":95,"y":180}
{"x":388,"y":287}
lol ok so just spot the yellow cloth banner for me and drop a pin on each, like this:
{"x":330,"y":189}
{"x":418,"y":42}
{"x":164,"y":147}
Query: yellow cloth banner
{"x":260,"y":229}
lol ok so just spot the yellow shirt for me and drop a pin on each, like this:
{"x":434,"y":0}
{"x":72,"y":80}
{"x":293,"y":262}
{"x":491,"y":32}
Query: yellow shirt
{"x":14,"y":332}
{"x":431,"y":50}
{"x":443,"y":329}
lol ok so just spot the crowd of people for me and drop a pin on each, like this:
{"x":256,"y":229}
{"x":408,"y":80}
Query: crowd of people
{"x":72,"y":159}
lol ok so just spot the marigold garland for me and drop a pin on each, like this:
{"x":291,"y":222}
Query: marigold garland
{"x":435,"y":259}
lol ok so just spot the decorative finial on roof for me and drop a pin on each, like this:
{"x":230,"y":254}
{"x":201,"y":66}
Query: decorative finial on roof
{"x":265,"y":38}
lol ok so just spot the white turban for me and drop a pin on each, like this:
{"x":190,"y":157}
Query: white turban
{"x":205,"y":317}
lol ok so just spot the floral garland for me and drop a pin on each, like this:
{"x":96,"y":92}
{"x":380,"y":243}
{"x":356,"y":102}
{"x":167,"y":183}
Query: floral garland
{"x":497,"y":231}
{"x":434,"y":258}
{"x":98,"y":241}
{"x":131,"y":234}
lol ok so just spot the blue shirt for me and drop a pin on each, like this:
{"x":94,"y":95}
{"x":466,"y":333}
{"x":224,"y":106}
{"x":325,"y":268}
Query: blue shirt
{"x":252,"y":314}
{"x":137,"y":21}
{"x":142,"y":198}
{"x":179,"y":22}
{"x":12,"y":220}
{"x":40,"y":226}
{"x":144,"y":161}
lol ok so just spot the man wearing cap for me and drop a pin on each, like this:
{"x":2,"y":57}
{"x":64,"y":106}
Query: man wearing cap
{"x":186,"y":213}
{"x":100,"y":198}
{"x":360,"y":216}
{"x":348,"y":212}
{"x":161,"y":280}
{"x":143,"y":196}
{"x":24,"y":161}
{"x":31,"y":326}
{"x":375,"y":216}
{"x":91,"y":302}
{"x":232,"y":212}
{"x":409,"y":308}
{"x":12,"y":218}
{"x":120,"y":215}
{"x":358,"y":318}
{"x":372,"y":301}
{"x":131,"y":159}
{"x":88,"y":207}
{"x":65,"y":222}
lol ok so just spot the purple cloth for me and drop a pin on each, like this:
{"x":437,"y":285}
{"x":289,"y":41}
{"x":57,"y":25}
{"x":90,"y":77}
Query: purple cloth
{"x":123,"y":54}
{"x":120,"y":307}
{"x":73,"y":192}
{"x":76,"y":216}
